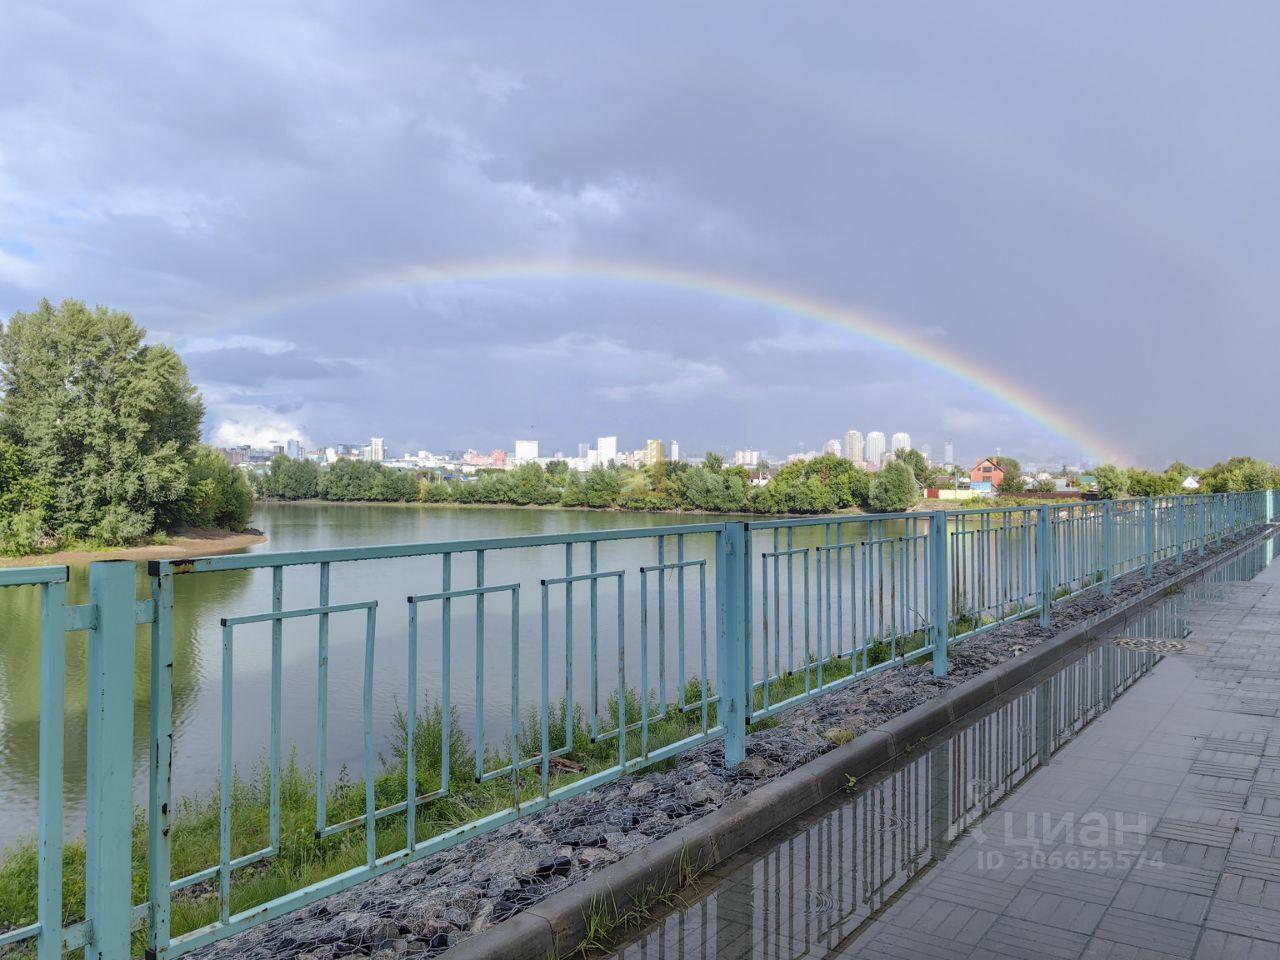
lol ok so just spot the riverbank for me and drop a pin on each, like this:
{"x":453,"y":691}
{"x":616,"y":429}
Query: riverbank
{"x":182,"y":543}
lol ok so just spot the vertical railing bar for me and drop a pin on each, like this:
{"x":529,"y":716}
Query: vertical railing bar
{"x":224,"y":786}
{"x":568,"y":649}
{"x":53,"y":675}
{"x":546,"y":695}
{"x":446,"y":677}
{"x":479,"y":666}
{"x":322,"y":705}
{"x":370,"y":802}
{"x":681,"y":675}
{"x":277,"y":720}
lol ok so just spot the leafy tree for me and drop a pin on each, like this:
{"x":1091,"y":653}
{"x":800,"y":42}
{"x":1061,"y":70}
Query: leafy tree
{"x":1012,"y":481}
{"x":107,"y":424}
{"x":1239,"y":474}
{"x":894,"y":488}
{"x":916,"y":461}
{"x":23,"y":499}
{"x":1148,"y":483}
{"x":1113,"y":483}
{"x":557,"y":470}
{"x":1045,"y":486}
{"x":291,"y":479}
{"x":219,"y":495}
{"x":713,"y":462}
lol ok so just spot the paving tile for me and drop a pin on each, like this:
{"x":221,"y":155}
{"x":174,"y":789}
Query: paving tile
{"x":1259,"y":923}
{"x":1055,"y":910}
{"x":1140,"y":930}
{"x":1161,"y":902}
{"x":1220,"y":945}
{"x":1026,"y":940}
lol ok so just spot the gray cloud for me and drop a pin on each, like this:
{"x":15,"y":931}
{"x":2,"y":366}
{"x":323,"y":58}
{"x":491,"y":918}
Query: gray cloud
{"x":1083,"y":198}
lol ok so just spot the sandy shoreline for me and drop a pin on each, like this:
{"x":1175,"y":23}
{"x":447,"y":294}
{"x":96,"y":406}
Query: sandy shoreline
{"x":189,"y":543}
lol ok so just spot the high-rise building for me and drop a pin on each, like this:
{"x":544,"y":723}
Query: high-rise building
{"x":583,"y":450}
{"x":901,"y":441}
{"x":853,"y":446}
{"x":746,"y":458}
{"x":526,"y":450}
{"x":377,"y":449}
{"x":832,"y":447}
{"x":654,"y":452}
{"x":606,"y":450}
{"x":875,"y":447}
{"x":948,"y":453}
{"x":293,"y":449}
{"x":675,"y":450}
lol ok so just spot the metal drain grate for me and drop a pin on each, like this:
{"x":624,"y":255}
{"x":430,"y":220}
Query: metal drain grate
{"x":1150,"y":644}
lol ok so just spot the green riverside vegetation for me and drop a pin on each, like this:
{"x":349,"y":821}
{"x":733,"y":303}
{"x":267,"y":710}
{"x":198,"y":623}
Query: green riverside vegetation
{"x":100,"y":436}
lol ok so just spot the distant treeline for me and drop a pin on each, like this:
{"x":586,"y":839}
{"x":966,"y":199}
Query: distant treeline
{"x":822,"y":485}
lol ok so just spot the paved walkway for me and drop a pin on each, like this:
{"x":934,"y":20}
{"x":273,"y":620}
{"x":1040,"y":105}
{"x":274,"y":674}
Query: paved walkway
{"x":1152,"y":832}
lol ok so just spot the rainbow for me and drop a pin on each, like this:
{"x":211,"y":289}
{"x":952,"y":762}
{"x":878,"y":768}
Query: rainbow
{"x":725,"y":288}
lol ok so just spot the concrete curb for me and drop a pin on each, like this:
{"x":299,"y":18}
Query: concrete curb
{"x":558,"y":925}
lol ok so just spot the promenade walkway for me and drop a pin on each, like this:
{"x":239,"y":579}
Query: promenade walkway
{"x":1151,"y":832}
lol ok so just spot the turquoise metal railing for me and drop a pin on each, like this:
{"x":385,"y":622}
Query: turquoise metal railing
{"x":716,"y":626}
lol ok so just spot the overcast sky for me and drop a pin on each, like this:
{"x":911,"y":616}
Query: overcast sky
{"x":1084,"y":197}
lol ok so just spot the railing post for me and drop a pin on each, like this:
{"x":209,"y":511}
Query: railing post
{"x":109,"y":790}
{"x":1044,"y":721}
{"x":1151,"y":534}
{"x":1178,"y":531}
{"x":938,"y":591}
{"x":1106,"y":547}
{"x":733,"y":672}
{"x":159,"y":809}
{"x":1044,"y":566}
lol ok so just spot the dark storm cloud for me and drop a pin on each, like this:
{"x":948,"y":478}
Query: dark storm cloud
{"x":1083,"y":198}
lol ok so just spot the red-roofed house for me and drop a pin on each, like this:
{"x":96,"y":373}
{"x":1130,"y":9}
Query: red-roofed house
{"x":987,"y":471}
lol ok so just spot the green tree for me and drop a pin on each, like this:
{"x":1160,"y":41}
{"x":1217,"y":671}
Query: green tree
{"x":108,"y":424}
{"x":1012,"y":482}
{"x":1148,"y":483}
{"x":1045,"y":486}
{"x":894,"y":488}
{"x":23,"y":499}
{"x":291,"y":479}
{"x":916,"y":461}
{"x":1113,"y":483}
{"x":218,"y":494}
{"x":713,"y":462}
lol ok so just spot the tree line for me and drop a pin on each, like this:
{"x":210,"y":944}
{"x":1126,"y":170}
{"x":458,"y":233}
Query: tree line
{"x":100,"y":436}
{"x":822,"y":485}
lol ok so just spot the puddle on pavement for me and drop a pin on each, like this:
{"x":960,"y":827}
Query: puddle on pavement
{"x":815,"y":886}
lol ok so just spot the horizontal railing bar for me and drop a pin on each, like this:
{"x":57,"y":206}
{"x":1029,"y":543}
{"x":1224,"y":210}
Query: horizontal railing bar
{"x":468,"y":592}
{"x":379,"y":814}
{"x":249,"y":561}
{"x":208,"y":873}
{"x":831,"y":518}
{"x":578,"y":578}
{"x":32,"y":576}
{"x":784,"y":553}
{"x":18,"y":934}
{"x":675,"y":565}
{"x":296,"y":614}
{"x":82,"y":616}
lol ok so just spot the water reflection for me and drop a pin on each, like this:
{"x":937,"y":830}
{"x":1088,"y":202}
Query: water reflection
{"x":814,"y":890}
